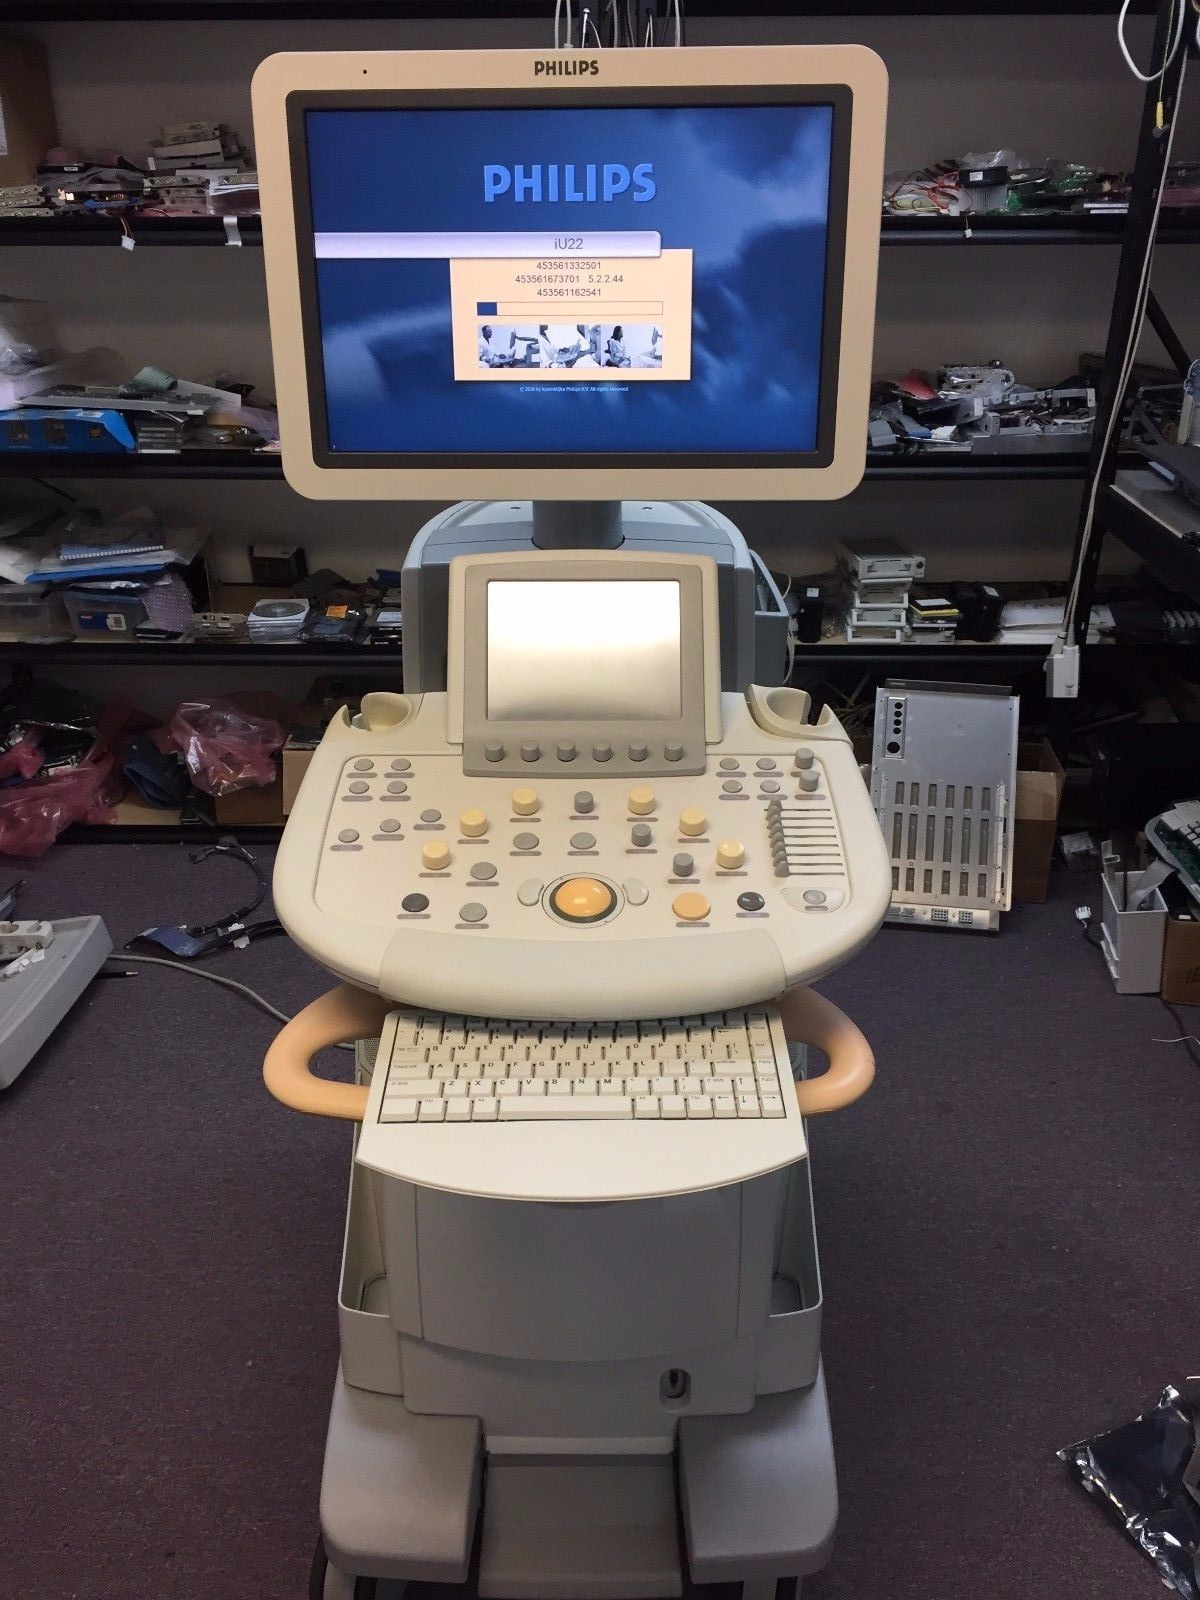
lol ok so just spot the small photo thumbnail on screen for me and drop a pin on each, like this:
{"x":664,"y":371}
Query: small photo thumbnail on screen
{"x":631,"y":344}
{"x":501,"y":344}
{"x":575,"y":345}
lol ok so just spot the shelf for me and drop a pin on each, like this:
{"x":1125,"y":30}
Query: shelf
{"x":203,"y":652}
{"x":1153,"y":521}
{"x":415,"y":10}
{"x":1067,"y":466}
{"x":1176,"y":227}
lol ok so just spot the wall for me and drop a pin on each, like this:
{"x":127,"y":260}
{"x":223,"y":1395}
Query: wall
{"x":1053,"y":86}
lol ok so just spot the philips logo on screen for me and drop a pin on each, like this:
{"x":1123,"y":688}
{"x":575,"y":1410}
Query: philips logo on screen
{"x":572,"y":67}
{"x":550,"y":184}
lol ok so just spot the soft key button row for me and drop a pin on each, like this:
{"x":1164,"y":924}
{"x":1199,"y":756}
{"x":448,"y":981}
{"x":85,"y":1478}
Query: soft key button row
{"x":458,"y":1069}
{"x":566,"y":751}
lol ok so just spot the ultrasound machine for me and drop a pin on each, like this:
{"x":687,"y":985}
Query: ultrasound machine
{"x":575,"y":875}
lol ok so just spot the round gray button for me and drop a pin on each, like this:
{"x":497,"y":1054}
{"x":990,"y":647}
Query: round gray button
{"x":768,"y":786}
{"x":814,"y":897}
{"x":530,"y":892}
{"x":583,"y":841}
{"x":397,"y":786}
{"x":525,"y":841}
{"x":431,"y":816}
{"x":673,"y":751}
{"x":493,"y":750}
{"x":565,"y":750}
{"x":636,"y":891}
{"x":359,"y":787}
{"x":765,"y":764}
{"x":731,"y":786}
{"x":364,"y":765}
{"x":810,"y":781}
{"x":803,"y":759}
{"x":683,"y":865}
{"x":531,"y":750}
{"x":485,"y":871}
{"x":472,"y":912}
{"x":640,"y":834}
{"x":402,"y":764}
{"x":638,"y":750}
{"x":348,"y":835}
{"x":602,"y":750}
{"x":585,"y":803}
{"x":729,"y":763}
{"x":390,"y":825}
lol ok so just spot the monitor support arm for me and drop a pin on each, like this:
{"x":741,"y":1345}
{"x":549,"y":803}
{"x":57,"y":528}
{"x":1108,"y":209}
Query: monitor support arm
{"x":346,"y":1014}
{"x":577,"y":525}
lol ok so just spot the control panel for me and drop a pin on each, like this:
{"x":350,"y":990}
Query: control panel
{"x":543,"y":894}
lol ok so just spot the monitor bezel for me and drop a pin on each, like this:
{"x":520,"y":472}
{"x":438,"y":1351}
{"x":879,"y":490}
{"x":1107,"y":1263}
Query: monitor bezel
{"x":764,"y":72}
{"x":837,"y":97}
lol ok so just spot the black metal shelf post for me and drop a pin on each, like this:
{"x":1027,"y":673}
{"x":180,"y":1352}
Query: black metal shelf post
{"x":1131,"y":300}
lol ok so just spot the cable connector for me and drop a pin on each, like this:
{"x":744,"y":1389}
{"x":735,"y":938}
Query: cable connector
{"x":1083,"y":914}
{"x":1062,"y":671}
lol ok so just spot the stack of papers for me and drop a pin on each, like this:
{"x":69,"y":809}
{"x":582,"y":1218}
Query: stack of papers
{"x":1040,"y":621}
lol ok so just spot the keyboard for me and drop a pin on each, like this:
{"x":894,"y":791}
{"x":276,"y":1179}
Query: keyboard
{"x":724,"y":1064}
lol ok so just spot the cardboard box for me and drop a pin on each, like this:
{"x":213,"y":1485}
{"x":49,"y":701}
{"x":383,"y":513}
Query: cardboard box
{"x":1040,"y":780}
{"x":1181,"y":962}
{"x":297,"y":754}
{"x":27,"y":126}
{"x":254,"y":807}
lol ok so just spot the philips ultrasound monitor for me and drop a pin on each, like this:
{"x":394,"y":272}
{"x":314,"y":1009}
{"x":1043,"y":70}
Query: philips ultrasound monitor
{"x":572,"y":276}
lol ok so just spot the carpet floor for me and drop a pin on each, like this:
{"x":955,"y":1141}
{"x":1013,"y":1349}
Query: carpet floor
{"x":1007,"y":1222}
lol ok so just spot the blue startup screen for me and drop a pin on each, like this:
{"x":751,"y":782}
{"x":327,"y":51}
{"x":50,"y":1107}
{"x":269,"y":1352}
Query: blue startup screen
{"x":571,"y":280}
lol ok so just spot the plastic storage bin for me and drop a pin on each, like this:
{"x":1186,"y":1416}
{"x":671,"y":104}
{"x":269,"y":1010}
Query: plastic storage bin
{"x":31,"y":611}
{"x":98,"y":616}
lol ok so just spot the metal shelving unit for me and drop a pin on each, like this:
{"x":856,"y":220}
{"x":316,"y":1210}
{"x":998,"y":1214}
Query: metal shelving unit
{"x":930,"y":466}
{"x":1034,"y":228}
{"x":510,"y":10}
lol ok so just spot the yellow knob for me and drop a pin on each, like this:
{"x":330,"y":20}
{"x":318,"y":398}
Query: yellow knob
{"x":582,"y":900}
{"x":641,"y":801}
{"x":690,"y":906}
{"x":435,"y":855}
{"x":692,"y":821}
{"x":525,"y":802}
{"x":472,"y":823}
{"x":730,"y":854}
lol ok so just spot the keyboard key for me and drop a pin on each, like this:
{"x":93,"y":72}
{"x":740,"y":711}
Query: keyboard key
{"x":699,"y":1106}
{"x":745,"y":1083}
{"x":692,"y":1085}
{"x":637,"y":1085}
{"x":612,"y":1086}
{"x":454,"y":1091}
{"x":417,"y":1086}
{"x":458,"y":1111}
{"x":663,"y":1086}
{"x":484,"y":1110}
{"x":531,"y":1085}
{"x":718,"y":1085}
{"x":674,"y":1105}
{"x":646,"y":1105}
{"x":432,"y":1111}
{"x":724,"y":1105}
{"x":508,"y":1087}
{"x":481,"y":1089}
{"x":559,"y":1088}
{"x":583,"y":1088}
{"x":747,"y":1105}
{"x":772,"y":1105}
{"x":567,"y":1109}
{"x":399,"y":1110}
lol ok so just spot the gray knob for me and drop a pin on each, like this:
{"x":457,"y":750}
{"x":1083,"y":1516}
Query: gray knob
{"x":530,"y":750}
{"x":673,"y":751}
{"x":493,"y":750}
{"x":638,"y":750}
{"x":566,"y":750}
{"x":683,"y":865}
{"x":809,"y":781}
{"x":803,"y":759}
{"x":585,"y":803}
{"x":640,"y":834}
{"x":602,"y":750}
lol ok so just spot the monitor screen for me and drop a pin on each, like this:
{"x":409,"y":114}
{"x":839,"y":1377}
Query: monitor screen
{"x":571,"y":283}
{"x":583,"y":651}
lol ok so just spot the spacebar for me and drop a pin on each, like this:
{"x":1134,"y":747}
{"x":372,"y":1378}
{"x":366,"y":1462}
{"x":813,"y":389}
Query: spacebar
{"x":517,"y":1108}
